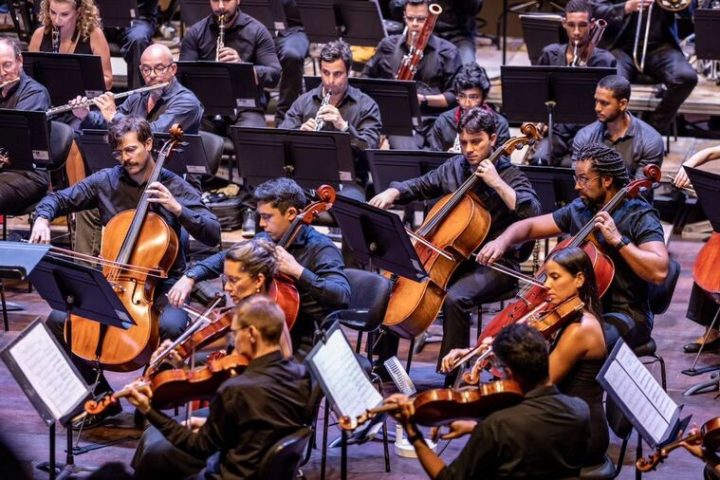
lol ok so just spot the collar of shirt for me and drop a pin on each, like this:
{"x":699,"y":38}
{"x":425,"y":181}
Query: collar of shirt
{"x":350,"y":94}
{"x":629,"y":133}
{"x":261,"y":363}
{"x":542,"y":391}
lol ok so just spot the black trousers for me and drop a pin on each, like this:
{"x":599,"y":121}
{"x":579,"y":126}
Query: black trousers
{"x":667,"y":65}
{"x":19,"y":190}
{"x":155,"y":457}
{"x":292,"y":48}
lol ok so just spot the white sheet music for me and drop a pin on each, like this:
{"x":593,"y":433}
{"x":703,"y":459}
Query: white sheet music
{"x":346,"y":384}
{"x":48,"y":371}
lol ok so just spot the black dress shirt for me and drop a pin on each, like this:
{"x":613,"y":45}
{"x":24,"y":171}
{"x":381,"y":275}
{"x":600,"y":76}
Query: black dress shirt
{"x":248,"y":415}
{"x":545,"y":436}
{"x":443,"y":133}
{"x":112,"y":191}
{"x":641,"y":145}
{"x":177,"y":104}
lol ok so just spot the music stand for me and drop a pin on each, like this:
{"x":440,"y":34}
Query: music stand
{"x":117,"y":13}
{"x":25,"y":135}
{"x":396,"y":99}
{"x":192,"y":11}
{"x":551,"y":94}
{"x":16,"y":267}
{"x":358,"y":23}
{"x":309,"y":158}
{"x":190,"y":159}
{"x":555,"y":186}
{"x":268,"y":12}
{"x":222,"y":88}
{"x":66,"y":75}
{"x":398,"y":165}
{"x":539,"y":31}
{"x":707,"y":20}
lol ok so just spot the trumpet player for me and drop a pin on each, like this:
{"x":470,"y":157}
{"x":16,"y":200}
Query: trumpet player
{"x":643,"y":37}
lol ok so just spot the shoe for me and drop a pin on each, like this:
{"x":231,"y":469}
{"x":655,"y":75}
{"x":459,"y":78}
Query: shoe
{"x":710,"y":347}
{"x":86,"y":421}
{"x":248,"y":225}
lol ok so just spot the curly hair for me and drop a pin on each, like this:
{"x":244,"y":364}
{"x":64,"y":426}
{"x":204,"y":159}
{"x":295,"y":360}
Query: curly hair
{"x":88,"y":16}
{"x":472,"y":75}
{"x":606,"y":161}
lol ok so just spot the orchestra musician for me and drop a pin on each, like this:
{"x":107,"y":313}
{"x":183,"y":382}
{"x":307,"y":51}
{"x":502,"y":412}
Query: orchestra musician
{"x":637,"y":142}
{"x":544,"y":436}
{"x":472,"y":86}
{"x":631,"y":236}
{"x":435,"y":72}
{"x":577,"y":24}
{"x":245,"y":40}
{"x":313,"y":262}
{"x":19,"y":189}
{"x":248,"y":415}
{"x":506,"y":194}
{"x":116,"y":189}
{"x":665,"y":61}
{"x":72,"y":26}
{"x":578,"y":352}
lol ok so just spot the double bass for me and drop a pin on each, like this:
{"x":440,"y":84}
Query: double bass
{"x":140,"y":242}
{"x":455,"y":227}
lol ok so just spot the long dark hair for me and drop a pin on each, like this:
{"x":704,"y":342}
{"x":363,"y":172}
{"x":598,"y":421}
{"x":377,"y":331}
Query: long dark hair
{"x":574,"y":260}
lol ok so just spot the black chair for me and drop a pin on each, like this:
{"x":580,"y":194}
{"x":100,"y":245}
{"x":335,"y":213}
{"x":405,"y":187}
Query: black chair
{"x":282,"y":460}
{"x":622,"y":428}
{"x":213,"y":145}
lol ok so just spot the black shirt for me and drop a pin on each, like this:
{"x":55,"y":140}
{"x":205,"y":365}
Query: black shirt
{"x":442,"y":135}
{"x":554,"y":55}
{"x":112,"y":191}
{"x":637,"y":220}
{"x":544,"y":436}
{"x":248,"y":415}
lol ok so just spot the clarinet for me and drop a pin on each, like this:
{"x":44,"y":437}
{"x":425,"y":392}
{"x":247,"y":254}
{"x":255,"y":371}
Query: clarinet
{"x":319,"y":122}
{"x":55,"y":39}
{"x":221,"y":37}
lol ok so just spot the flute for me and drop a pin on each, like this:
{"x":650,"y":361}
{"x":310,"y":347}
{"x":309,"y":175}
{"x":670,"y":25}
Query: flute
{"x":9,"y":82}
{"x":91,"y":101}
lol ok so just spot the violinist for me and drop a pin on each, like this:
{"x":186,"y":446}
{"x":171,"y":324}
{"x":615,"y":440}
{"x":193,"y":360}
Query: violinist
{"x":116,"y":189}
{"x":506,"y":194}
{"x":544,"y":436}
{"x":249,"y":413}
{"x":312,"y":261}
{"x":712,"y":462}
{"x":632,"y":237}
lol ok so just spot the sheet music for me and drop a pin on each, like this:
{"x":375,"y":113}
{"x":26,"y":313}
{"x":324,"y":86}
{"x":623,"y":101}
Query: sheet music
{"x":48,"y":371}
{"x":346,"y":384}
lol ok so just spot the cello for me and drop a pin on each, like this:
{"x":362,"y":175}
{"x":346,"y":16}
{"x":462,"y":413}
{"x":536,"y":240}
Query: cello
{"x":454,"y":228}
{"x":143,"y":240}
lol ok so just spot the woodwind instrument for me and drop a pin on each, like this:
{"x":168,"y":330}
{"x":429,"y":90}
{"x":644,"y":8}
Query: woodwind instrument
{"x":55,"y":37}
{"x":9,"y":82}
{"x":409,"y":63}
{"x":319,"y":122}
{"x":221,"y":37}
{"x":91,"y":101}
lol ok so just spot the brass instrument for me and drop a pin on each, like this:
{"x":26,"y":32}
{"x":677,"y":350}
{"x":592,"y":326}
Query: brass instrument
{"x":91,"y":101}
{"x":221,"y":37}
{"x":319,"y":122}
{"x":669,"y":5}
{"x":9,"y":82}
{"x":409,"y":63}
{"x":55,"y":37}
{"x":582,"y":56}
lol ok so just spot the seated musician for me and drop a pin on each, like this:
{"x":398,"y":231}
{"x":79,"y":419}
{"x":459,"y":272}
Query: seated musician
{"x":631,"y":236}
{"x":19,"y":189}
{"x":312,"y":261}
{"x":346,"y":110}
{"x":116,"y":189}
{"x":506,"y":194}
{"x":435,"y":72}
{"x":578,"y":26}
{"x":72,"y":26}
{"x":712,"y":462}
{"x":472,"y":87}
{"x":544,"y":436}
{"x":638,"y":143}
{"x":578,"y":351}
{"x":246,"y":40}
{"x":250,"y":412}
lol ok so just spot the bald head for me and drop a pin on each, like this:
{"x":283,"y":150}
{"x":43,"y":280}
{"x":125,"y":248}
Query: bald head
{"x":157,"y":65}
{"x":156,"y":52}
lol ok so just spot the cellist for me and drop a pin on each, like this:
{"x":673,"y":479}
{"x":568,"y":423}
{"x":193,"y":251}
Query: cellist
{"x":506,"y":194}
{"x":632,"y":236}
{"x":116,"y":189}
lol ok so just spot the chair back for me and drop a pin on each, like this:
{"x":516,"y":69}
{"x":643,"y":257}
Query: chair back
{"x":213,"y":146}
{"x":61,"y":138}
{"x":281,"y":461}
{"x":370,"y":293}
{"x":661,"y":295}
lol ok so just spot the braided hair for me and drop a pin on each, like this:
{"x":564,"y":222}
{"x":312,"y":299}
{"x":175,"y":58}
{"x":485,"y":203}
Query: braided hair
{"x":477,"y":120}
{"x":606,"y":161}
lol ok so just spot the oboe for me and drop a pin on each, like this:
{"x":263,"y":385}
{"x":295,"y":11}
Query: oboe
{"x":221,"y":37}
{"x":55,"y":39}
{"x":319,"y":122}
{"x":91,"y":101}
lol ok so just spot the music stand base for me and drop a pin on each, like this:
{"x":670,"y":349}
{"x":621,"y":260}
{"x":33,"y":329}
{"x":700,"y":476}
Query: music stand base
{"x":704,"y":387}
{"x":693,"y":372}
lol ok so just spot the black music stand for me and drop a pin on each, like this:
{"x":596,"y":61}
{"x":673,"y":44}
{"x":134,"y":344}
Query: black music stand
{"x":16,"y":267}
{"x":707,"y":21}
{"x":309,"y":158}
{"x":551,"y":94}
{"x":539,"y":31}
{"x":398,"y":165}
{"x":222,"y":88}
{"x":25,"y":135}
{"x":66,"y":75}
{"x":356,"y":22}
{"x":396,"y":99}
{"x":192,"y":11}
{"x":190,"y":159}
{"x":117,"y":13}
{"x":555,"y":186}
{"x":268,"y":12}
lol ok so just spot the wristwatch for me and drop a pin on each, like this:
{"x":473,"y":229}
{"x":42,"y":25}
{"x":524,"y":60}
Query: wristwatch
{"x":623,"y":241}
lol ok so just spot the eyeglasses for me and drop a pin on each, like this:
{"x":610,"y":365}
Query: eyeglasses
{"x":582,"y":181}
{"x":158,"y":69}
{"x":474,"y":97}
{"x":120,"y":153}
{"x":418,"y":19}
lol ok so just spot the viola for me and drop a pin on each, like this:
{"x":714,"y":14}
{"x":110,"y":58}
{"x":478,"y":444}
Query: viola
{"x":177,"y":386}
{"x":708,"y":436}
{"x":442,"y":406}
{"x":530,"y":297}
{"x":455,"y":227}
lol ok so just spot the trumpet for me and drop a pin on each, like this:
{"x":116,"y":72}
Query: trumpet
{"x":9,"y":82}
{"x":670,"y":6}
{"x":319,"y":122}
{"x":91,"y":101}
{"x":221,"y":37}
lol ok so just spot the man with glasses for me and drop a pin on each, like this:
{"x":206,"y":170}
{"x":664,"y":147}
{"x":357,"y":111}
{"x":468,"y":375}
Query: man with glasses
{"x":435,"y":72}
{"x":631,"y":236}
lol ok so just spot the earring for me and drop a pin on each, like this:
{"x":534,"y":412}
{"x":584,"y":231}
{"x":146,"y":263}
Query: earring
{"x":257,"y":290}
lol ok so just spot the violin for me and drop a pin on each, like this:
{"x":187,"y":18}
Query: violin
{"x":453,"y":229}
{"x":178,"y":385}
{"x":442,"y":406}
{"x":708,"y":435}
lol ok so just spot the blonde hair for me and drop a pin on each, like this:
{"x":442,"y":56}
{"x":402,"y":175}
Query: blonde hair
{"x":88,"y":16}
